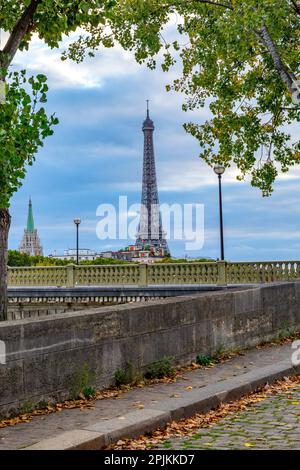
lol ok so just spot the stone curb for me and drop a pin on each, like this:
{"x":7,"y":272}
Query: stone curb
{"x":136,"y":423}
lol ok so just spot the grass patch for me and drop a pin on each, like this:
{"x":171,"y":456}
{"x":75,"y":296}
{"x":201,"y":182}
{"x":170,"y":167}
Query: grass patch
{"x":128,"y":375}
{"x":83,"y":383}
{"x":27,"y":407}
{"x":89,"y":392}
{"x":167,"y":445}
{"x":204,"y":360}
{"x":163,"y":368}
{"x":221,"y":354}
{"x":286,"y":334}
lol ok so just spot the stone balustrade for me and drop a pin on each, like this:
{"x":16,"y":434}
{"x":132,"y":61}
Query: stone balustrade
{"x":213,"y":273}
{"x":262,"y":272}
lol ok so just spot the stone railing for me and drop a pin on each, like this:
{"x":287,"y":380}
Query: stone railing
{"x":216,"y":273}
{"x":262,"y":272}
{"x":185,"y":273}
{"x":39,"y":276}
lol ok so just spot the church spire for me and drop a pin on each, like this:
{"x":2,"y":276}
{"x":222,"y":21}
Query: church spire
{"x":30,"y":221}
{"x":30,"y":243}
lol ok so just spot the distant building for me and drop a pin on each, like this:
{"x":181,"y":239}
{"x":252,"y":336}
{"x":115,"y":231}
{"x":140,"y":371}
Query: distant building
{"x":30,"y":243}
{"x":85,"y":254}
{"x":147,"y":254}
{"x":107,"y":254}
{"x":131,"y":253}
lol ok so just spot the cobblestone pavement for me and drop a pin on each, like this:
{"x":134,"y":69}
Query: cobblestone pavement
{"x":273,"y":423}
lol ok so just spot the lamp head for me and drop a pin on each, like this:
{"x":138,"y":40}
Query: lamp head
{"x":219,"y":169}
{"x":77,"y":221}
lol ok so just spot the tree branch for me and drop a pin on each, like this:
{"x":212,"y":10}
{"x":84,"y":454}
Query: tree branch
{"x":287,"y":77}
{"x":19,"y":31}
{"x":296,"y":6}
{"x":217,"y":4}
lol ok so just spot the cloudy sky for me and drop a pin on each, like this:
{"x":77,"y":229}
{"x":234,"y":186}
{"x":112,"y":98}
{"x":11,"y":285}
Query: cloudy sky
{"x":96,"y":155}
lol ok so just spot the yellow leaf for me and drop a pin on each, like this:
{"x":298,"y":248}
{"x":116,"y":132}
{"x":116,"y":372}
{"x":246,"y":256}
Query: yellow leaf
{"x":248,"y":444}
{"x":189,"y":388}
{"x":195,"y":366}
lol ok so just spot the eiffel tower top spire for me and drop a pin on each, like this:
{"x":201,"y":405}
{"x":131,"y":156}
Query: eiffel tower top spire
{"x":150,"y":230}
{"x":148,"y":123}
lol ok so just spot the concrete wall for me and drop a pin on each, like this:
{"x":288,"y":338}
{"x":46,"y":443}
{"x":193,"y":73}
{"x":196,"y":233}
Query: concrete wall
{"x":44,"y":356}
{"x":34,"y":310}
{"x":37,"y":302}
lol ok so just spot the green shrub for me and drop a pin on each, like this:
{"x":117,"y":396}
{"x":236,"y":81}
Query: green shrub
{"x":83,"y":382}
{"x":121,"y":377}
{"x":127,"y":376}
{"x":203,"y":360}
{"x":160,"y":369}
{"x":285,"y":332}
{"x":220,"y":352}
{"x":89,"y":392}
{"x":42,"y":404}
{"x":27,"y":407}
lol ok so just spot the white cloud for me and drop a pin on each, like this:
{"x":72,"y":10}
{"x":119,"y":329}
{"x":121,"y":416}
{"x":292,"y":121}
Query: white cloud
{"x":191,"y":175}
{"x":92,"y":73}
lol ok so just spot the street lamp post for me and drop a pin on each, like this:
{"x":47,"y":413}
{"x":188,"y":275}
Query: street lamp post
{"x":219,"y":170}
{"x":77,"y":222}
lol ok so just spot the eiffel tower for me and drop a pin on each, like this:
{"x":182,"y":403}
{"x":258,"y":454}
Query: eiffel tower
{"x":150,"y":231}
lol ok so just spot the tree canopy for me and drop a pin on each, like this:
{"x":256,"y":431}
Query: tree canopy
{"x":240,"y":58}
{"x":243,"y":60}
{"x":17,"y":259}
{"x":24,"y":125}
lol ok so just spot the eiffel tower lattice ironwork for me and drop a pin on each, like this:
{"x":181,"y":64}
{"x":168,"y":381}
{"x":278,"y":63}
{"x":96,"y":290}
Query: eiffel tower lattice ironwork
{"x":150,"y":231}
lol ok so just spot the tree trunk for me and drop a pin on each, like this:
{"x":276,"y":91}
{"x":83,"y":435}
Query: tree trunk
{"x":4,"y":229}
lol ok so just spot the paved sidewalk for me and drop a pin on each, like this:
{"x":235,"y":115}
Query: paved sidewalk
{"x":151,"y":397}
